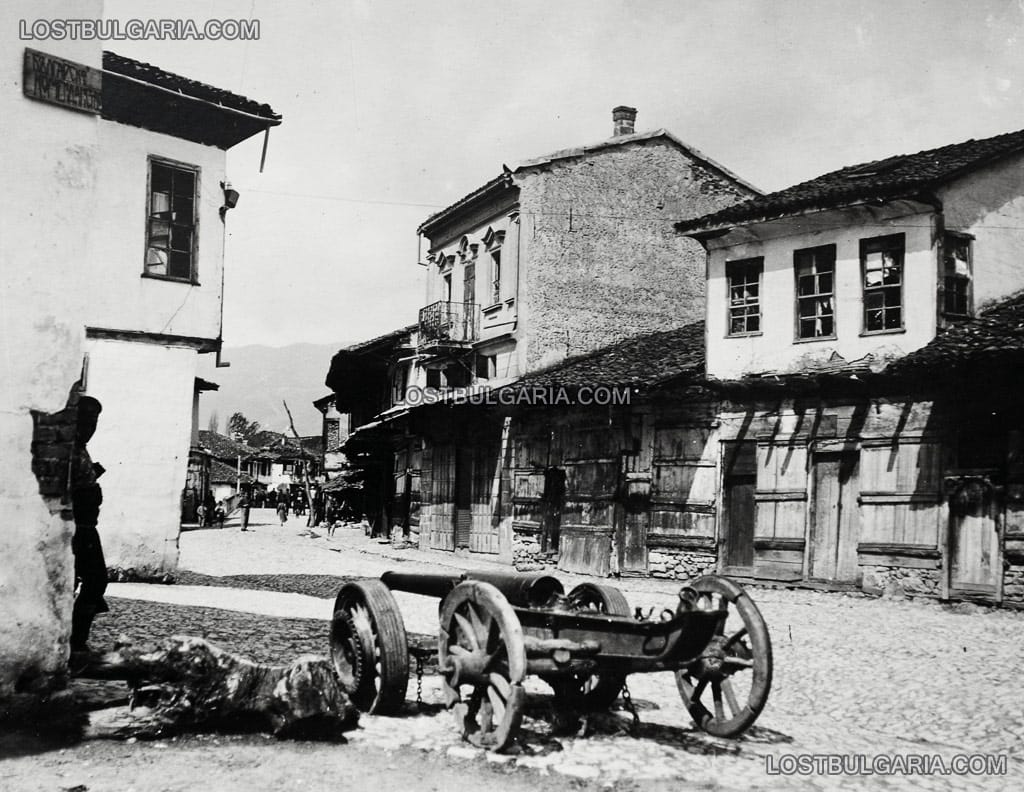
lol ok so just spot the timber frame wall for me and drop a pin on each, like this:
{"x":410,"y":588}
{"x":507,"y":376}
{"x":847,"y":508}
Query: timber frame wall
{"x":865,"y":493}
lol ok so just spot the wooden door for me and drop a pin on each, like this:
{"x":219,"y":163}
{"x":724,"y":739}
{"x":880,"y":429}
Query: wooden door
{"x":463,"y":495}
{"x":835,"y":522}
{"x":632,"y":518}
{"x":442,"y":498}
{"x":739,"y":482}
{"x":974,"y":550}
{"x":484,"y":504}
{"x":553,"y":500}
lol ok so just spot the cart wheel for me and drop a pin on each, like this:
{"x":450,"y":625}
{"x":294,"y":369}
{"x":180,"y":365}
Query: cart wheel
{"x":369,"y":647}
{"x":736,"y":664}
{"x":599,"y":690}
{"x":483,"y":659}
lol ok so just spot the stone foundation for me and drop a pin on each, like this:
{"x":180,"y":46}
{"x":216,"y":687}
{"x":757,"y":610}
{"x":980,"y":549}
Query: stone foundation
{"x":677,"y":564}
{"x":1013,"y":584}
{"x":902,"y":581}
{"x":527,"y":555}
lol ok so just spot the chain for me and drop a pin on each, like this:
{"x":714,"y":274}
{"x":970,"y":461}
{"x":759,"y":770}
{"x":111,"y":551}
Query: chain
{"x":627,"y":700}
{"x":419,"y":682}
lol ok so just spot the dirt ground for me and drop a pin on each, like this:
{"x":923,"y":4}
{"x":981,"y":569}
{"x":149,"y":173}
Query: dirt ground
{"x":255,"y":763}
{"x":853,"y":676}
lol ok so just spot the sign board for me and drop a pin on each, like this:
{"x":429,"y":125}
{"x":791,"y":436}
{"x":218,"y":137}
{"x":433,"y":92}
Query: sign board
{"x":62,"y":82}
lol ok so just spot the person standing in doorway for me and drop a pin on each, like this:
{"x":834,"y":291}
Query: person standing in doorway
{"x":90,"y":565}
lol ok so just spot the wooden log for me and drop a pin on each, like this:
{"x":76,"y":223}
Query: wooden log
{"x":187,"y":683}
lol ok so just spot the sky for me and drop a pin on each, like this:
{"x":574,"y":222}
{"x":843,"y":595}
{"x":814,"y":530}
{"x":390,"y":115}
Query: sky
{"x":394,"y":109}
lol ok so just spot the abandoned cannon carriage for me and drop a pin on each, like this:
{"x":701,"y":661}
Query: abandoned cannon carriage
{"x":497,"y":628}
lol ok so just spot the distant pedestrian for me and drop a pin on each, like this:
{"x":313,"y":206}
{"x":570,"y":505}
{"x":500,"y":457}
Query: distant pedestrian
{"x":244,"y":507}
{"x":331,"y":511}
{"x":282,"y":510}
{"x":210,"y":506}
{"x":219,"y":515}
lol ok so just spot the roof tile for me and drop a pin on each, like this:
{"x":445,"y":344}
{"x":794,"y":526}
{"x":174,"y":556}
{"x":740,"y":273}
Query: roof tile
{"x":894,"y":177}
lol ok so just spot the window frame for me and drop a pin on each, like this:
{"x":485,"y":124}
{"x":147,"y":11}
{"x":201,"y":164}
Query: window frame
{"x":486,"y":366}
{"x":798,"y":317}
{"x":493,"y":243}
{"x":883,"y":244}
{"x":196,"y":171}
{"x":944,"y":276}
{"x":730,"y":268}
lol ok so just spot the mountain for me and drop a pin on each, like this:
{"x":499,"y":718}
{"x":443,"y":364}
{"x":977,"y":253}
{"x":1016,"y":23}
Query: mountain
{"x":260,"y":379}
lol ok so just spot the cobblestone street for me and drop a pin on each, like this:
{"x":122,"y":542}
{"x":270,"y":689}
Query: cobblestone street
{"x":853,"y":675}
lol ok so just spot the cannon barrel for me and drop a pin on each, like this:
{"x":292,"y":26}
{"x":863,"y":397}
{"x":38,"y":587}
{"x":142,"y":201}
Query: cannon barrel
{"x":531,"y":591}
{"x":430,"y":584}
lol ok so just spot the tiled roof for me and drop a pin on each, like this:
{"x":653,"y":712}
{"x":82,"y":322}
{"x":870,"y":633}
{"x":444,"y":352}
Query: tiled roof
{"x":641,"y":362}
{"x":118,"y":64}
{"x":995,"y":335}
{"x":895,"y":177}
{"x":502,"y":181}
{"x":221,"y":473}
{"x":387,"y":338}
{"x":221,"y":447}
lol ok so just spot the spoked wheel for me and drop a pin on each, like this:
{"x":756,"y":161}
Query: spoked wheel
{"x":483,"y":659}
{"x":599,"y":690}
{"x":369,"y":647}
{"x":734,"y":673}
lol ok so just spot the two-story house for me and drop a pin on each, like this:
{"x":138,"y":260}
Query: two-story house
{"x":833,"y":470}
{"x":113,"y":229}
{"x":552,"y":259}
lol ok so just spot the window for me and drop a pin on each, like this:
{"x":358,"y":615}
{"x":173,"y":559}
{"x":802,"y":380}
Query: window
{"x":493,"y":240}
{"x":744,"y":295}
{"x":447,"y":290}
{"x":457,"y":376}
{"x":882,"y":266}
{"x":956,"y":275}
{"x":815,"y":289}
{"x":433,"y":378}
{"x":496,"y":275}
{"x":171,"y":230}
{"x":486,"y":366}
{"x":399,"y":382}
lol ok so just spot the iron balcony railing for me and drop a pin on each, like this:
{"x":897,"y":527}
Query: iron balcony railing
{"x":453,"y":322}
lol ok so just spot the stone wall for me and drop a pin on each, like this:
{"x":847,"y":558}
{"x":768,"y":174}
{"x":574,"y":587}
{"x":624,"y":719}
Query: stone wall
{"x":601,"y":259}
{"x":526,"y":552}
{"x":1013,"y":584}
{"x":678,"y":564}
{"x":902,"y":581}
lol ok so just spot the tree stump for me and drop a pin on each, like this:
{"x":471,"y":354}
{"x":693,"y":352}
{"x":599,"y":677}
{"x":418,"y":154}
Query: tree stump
{"x":187,"y":683}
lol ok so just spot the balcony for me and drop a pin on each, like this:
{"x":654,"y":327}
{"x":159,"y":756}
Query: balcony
{"x":449,"y":324}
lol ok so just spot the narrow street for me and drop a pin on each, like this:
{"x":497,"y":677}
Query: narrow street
{"x":847,"y":682}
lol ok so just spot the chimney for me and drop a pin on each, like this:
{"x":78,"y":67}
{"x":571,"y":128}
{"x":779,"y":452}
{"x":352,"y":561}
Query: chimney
{"x":623,"y":120}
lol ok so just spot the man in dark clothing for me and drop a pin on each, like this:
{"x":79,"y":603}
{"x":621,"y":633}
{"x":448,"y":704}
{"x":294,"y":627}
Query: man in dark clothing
{"x":244,"y":508}
{"x":86,"y":497}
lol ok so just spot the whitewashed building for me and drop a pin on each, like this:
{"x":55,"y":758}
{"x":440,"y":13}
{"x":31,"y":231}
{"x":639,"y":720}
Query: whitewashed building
{"x":112,"y":262}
